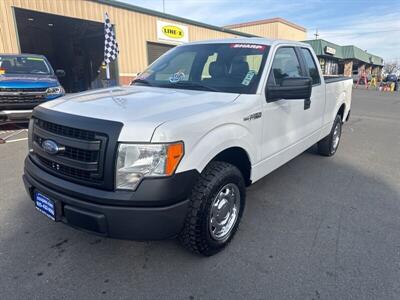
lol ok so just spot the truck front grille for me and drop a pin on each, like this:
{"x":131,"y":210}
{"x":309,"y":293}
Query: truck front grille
{"x":22,"y":95}
{"x":87,"y":147}
{"x":22,"y":90}
{"x":66,"y":131}
{"x":65,"y":170}
{"x":82,"y":153}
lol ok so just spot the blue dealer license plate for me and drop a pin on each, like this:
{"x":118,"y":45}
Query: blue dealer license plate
{"x":45,"y":205}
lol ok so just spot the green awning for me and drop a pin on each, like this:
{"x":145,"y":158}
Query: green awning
{"x":325,"y":48}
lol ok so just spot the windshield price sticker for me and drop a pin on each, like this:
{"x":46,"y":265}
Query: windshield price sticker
{"x":249,"y":76}
{"x":248,"y":46}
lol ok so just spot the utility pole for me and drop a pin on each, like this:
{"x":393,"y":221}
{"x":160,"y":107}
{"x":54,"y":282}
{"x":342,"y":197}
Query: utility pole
{"x":163,"y":6}
{"x":316,"y":34}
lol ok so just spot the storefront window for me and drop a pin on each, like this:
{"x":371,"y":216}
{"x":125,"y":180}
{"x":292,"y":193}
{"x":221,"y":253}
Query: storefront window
{"x":331,"y":67}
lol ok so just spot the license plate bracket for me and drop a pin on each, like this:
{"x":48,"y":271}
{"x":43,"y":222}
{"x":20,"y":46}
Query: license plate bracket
{"x":48,"y":207}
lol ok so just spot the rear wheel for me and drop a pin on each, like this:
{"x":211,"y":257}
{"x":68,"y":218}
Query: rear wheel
{"x":216,"y":207}
{"x":328,"y":145}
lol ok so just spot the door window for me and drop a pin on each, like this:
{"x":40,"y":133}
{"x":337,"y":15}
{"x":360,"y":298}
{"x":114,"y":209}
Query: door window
{"x":285,"y":65}
{"x":311,"y":66}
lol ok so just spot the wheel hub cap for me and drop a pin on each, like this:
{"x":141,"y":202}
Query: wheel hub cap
{"x":336,"y":136}
{"x":224,"y":212}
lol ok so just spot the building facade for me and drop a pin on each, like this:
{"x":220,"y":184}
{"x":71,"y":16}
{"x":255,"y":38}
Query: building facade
{"x":70,"y":34}
{"x":276,"y":28}
{"x":345,"y":60}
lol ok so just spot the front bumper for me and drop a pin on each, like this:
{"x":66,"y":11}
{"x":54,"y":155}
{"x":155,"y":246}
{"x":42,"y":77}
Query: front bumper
{"x":91,"y":210}
{"x":15,"y":116}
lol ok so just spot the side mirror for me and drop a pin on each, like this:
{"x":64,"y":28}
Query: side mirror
{"x":290,"y":89}
{"x":60,"y":73}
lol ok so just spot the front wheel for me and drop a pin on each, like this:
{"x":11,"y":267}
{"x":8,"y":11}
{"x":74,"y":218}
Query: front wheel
{"x":328,"y":145}
{"x":216,"y":207}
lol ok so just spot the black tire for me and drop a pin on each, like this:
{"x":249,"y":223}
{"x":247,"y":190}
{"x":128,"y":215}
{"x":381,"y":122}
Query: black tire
{"x":196,"y":234}
{"x":327,"y":146}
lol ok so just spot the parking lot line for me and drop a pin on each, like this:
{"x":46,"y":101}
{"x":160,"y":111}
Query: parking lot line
{"x":17,"y":140}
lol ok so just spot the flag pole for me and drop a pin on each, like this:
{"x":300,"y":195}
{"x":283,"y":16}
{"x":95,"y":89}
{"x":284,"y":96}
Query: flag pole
{"x":108,"y":71}
{"x":111,"y":50}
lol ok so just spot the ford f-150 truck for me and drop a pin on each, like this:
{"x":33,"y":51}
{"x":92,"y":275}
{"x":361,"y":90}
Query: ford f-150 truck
{"x":172,"y":154}
{"x":26,"y":80}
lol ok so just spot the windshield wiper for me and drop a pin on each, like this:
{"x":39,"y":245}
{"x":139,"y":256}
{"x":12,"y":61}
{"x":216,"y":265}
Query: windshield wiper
{"x":182,"y":84}
{"x":144,"y":81}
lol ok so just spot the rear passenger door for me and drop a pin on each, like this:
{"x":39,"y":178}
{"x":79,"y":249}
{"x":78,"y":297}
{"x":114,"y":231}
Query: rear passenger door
{"x":313,"y":118}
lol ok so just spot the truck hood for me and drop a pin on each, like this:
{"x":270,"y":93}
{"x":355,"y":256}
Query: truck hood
{"x":140,"y":108}
{"x":15,"y":81}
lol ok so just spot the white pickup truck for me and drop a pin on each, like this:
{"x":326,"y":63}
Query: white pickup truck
{"x":172,"y":154}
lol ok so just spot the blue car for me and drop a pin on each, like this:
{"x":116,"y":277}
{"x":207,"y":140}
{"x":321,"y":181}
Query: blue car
{"x":26,"y":80}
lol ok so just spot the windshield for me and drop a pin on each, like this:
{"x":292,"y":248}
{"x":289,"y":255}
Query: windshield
{"x":231,"y":68}
{"x":16,"y":64}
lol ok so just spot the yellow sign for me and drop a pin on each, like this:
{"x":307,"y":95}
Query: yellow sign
{"x":173,"y":32}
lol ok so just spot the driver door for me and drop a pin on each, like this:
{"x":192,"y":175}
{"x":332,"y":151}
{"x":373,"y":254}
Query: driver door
{"x":283,"y":119}
{"x":289,"y":126}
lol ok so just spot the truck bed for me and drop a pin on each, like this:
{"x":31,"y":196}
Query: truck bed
{"x":332,"y":78}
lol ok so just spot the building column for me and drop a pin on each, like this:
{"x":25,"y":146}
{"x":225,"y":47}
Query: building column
{"x":376,"y":70}
{"x":348,"y":68}
{"x":368,"y":69}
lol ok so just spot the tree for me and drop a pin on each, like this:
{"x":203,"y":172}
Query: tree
{"x":391,"y":67}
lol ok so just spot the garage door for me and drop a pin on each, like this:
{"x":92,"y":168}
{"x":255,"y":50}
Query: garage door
{"x":155,"y":50}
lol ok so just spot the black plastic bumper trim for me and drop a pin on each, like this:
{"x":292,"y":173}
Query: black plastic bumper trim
{"x":135,"y":223}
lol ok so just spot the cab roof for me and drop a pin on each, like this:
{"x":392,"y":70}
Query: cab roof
{"x":251,"y":40}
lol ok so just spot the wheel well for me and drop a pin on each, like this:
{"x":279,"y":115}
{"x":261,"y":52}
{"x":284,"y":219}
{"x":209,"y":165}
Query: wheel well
{"x":238,"y":157}
{"x":341,"y":111}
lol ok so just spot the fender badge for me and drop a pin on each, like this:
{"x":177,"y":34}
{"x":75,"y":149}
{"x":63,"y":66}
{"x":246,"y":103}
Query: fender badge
{"x":254,"y":116}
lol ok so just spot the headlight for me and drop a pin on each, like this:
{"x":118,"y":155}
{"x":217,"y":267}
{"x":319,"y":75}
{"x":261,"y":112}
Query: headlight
{"x":56,"y":90}
{"x":138,"y":161}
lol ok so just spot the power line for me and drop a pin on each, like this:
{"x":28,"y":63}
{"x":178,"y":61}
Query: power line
{"x":361,"y":32}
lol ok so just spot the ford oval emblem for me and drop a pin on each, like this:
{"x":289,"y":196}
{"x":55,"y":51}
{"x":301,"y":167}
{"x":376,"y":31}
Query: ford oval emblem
{"x":50,"y":147}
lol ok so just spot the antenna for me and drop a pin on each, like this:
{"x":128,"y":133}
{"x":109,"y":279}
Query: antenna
{"x":316,"y":34}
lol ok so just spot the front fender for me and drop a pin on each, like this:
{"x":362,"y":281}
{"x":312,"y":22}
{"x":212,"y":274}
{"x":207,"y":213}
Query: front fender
{"x":205,"y":148}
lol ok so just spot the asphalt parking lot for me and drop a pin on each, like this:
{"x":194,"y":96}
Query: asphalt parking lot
{"x":316,"y":228}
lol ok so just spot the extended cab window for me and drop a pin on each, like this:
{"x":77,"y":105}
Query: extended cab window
{"x":285,"y":65}
{"x":218,"y":67}
{"x":311,"y":66}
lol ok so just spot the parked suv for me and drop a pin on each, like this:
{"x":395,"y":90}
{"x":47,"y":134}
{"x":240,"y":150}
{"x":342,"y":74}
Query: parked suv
{"x":26,"y":80}
{"x":393,"y":78}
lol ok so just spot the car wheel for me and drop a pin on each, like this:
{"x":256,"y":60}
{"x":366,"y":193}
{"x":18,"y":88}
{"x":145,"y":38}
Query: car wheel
{"x":216,"y":206}
{"x":329,"y":145}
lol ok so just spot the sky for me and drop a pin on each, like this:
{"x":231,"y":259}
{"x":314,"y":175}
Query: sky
{"x":370,"y":25}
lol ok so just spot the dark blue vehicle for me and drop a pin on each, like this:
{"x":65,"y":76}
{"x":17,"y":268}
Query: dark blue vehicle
{"x":26,"y":80}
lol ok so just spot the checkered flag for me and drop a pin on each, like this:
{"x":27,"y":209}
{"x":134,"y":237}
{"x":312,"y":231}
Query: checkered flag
{"x":110,"y":43}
